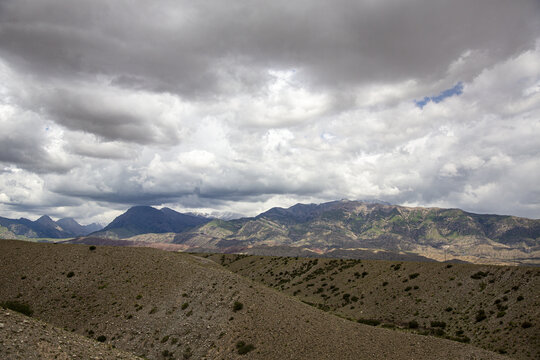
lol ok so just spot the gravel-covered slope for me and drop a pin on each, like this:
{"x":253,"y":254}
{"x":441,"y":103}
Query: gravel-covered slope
{"x":160,"y":305}
{"x":26,"y":338}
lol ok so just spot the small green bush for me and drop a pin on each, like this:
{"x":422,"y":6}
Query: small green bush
{"x":244,"y":348}
{"x":18,"y":307}
{"x":478,"y":275}
{"x":413,"y":324}
{"x":101,"y":338}
{"x":237,"y":306}
{"x":439,"y":324}
{"x":480,"y":315}
{"x":185,"y":305}
{"x":372,"y":322}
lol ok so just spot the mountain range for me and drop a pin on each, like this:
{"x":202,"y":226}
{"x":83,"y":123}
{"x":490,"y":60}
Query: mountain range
{"x":44,"y":227}
{"x":435,"y":233}
{"x":344,"y":229}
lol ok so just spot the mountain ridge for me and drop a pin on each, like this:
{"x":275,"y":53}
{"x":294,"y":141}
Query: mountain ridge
{"x":146,"y":219}
{"x":432,"y":232}
{"x":44,"y":227}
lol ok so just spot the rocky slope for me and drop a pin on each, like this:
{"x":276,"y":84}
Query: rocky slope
{"x":26,"y":338}
{"x":164,"y":305}
{"x":352,"y":225}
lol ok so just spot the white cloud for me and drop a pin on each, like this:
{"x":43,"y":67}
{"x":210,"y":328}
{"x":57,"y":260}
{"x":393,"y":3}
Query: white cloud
{"x":241,"y":116}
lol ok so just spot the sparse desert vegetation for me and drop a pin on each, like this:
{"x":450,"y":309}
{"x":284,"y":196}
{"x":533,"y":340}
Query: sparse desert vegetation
{"x":267,"y":325}
{"x":478,"y":304}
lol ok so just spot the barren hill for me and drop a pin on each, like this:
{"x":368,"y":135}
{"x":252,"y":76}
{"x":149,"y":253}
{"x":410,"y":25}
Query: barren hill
{"x":494,"y":307}
{"x":160,"y":305}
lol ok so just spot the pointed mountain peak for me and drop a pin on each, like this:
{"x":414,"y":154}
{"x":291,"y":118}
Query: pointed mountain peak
{"x":67,"y":220}
{"x":45,"y":219}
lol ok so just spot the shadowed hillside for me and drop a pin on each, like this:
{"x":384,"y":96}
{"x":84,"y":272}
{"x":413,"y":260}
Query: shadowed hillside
{"x":146,"y":219}
{"x":164,"y":305}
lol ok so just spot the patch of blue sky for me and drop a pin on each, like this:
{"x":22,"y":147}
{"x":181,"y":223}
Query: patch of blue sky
{"x":455,"y":90}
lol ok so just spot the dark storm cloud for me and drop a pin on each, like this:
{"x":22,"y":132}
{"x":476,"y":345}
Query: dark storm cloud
{"x":187,"y":48}
{"x":29,"y":155}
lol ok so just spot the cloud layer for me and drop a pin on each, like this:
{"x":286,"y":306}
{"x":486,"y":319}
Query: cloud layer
{"x":219,"y":107}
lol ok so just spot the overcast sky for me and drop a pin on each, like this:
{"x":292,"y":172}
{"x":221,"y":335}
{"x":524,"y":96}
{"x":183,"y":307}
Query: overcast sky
{"x":233,"y":107}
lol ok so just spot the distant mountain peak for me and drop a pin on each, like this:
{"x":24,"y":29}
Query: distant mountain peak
{"x":45,"y":219}
{"x":142,"y":219}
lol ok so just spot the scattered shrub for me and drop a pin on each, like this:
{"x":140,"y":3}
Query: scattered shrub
{"x":372,"y":322}
{"x":520,"y":297}
{"x":480,"y":315}
{"x":413,"y":324}
{"x":385,"y":283}
{"x":478,"y":275}
{"x":244,"y":348}
{"x":185,"y":305}
{"x":92,"y":248}
{"x":165,"y":339}
{"x":440,"y":324}
{"x":153,"y":310}
{"x":70,"y":274}
{"x":18,"y":307}
{"x":237,"y":306}
{"x":526,"y":325}
{"x":448,"y":309}
{"x":413,"y":276}
{"x":101,"y":338}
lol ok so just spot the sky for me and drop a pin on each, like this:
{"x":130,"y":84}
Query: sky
{"x":231,"y":108}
